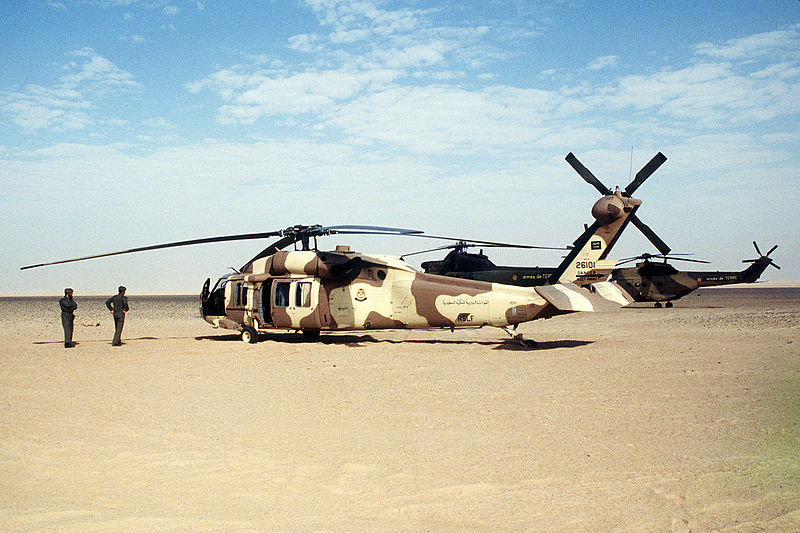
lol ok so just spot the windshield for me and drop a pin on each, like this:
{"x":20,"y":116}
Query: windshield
{"x":220,"y":283}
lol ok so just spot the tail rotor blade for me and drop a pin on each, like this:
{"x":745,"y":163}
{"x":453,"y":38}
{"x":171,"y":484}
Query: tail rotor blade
{"x":650,"y":234}
{"x":772,"y":249}
{"x":587,"y":176}
{"x":645,"y":172}
{"x":757,"y":250}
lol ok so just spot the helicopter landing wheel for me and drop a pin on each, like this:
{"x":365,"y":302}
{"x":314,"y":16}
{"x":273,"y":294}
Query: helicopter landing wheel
{"x":669,"y":304}
{"x":249,"y":335}
{"x":658,"y":305}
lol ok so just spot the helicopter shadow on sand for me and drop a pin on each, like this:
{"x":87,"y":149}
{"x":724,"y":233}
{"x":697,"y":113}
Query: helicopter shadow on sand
{"x":361,"y":341}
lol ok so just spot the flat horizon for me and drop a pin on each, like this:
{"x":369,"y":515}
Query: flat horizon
{"x":774,"y":284}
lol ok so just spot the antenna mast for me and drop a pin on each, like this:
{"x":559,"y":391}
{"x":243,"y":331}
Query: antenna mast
{"x":630,"y":168}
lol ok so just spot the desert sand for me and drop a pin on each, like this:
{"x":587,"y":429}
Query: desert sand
{"x":683,"y":419}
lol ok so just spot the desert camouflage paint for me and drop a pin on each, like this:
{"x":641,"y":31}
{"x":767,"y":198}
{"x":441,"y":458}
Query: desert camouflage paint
{"x":343,"y":290}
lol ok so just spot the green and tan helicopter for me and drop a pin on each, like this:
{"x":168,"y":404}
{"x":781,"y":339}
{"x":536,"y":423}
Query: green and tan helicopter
{"x":587,"y":261}
{"x":658,"y":281}
{"x":308,"y":290}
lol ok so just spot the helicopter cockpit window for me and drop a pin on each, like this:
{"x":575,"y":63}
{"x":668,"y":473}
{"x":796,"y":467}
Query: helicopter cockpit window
{"x":244,"y":294}
{"x":282,"y":294}
{"x":303,"y":294}
{"x":221,"y":282}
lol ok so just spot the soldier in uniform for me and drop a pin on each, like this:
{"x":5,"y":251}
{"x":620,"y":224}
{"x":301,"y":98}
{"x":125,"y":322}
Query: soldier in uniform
{"x":118,"y":305}
{"x":68,"y":307}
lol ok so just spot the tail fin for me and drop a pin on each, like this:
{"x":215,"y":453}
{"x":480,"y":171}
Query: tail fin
{"x":754,"y":271}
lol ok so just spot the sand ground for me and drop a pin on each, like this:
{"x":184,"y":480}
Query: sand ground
{"x":685,"y":419}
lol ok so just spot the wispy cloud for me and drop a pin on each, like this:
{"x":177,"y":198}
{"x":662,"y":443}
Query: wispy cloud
{"x":362,"y":49}
{"x":66,"y":104}
{"x":603,"y":62}
{"x":742,"y":86}
{"x":780,"y":42}
{"x":378,"y":99}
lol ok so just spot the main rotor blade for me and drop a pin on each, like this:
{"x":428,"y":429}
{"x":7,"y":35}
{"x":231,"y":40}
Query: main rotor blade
{"x":224,"y":238}
{"x":587,"y":175}
{"x":486,"y":243}
{"x":673,"y":258}
{"x":650,"y":234}
{"x":370,"y":230}
{"x":621,"y":262}
{"x":297,"y":233}
{"x":445,"y":247}
{"x":645,"y":172}
{"x":272,"y":248}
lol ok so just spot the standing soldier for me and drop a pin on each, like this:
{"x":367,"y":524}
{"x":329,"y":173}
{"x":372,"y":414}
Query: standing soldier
{"x":68,"y":307}
{"x":118,"y":305}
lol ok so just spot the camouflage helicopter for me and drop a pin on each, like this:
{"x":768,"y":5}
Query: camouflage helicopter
{"x":652,"y":281}
{"x":586,"y":263}
{"x":308,"y":290}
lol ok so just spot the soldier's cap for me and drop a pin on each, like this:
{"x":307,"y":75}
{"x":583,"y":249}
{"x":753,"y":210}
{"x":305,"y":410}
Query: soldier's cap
{"x":68,"y":291}
{"x":122,"y":288}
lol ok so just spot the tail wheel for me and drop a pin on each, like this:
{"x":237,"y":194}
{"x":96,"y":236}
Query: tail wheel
{"x":249,"y":335}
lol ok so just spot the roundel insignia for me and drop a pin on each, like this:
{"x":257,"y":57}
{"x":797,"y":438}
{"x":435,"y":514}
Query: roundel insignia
{"x":514,"y":277}
{"x":361,"y":295}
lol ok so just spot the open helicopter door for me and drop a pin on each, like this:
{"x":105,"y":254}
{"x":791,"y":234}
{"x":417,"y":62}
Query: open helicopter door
{"x":264,"y":307}
{"x":294,"y":303}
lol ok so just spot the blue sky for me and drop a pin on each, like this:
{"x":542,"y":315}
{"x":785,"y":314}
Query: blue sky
{"x":125,"y":123}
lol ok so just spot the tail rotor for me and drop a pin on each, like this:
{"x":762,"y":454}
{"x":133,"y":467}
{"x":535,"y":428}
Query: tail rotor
{"x":640,"y":178}
{"x":762,"y":258}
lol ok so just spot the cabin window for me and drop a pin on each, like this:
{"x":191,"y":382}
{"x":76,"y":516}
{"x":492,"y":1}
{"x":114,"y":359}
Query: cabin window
{"x":282,"y":294}
{"x":303,"y":294}
{"x":381,"y":275}
{"x":241,"y":294}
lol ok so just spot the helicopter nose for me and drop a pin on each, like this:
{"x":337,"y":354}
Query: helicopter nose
{"x":608,"y":209}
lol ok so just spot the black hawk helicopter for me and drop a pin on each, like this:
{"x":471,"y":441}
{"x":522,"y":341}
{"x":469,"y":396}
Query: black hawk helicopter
{"x":309,"y":290}
{"x":658,"y":281}
{"x":586,"y":263}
